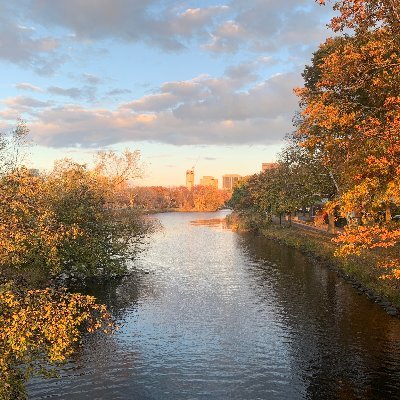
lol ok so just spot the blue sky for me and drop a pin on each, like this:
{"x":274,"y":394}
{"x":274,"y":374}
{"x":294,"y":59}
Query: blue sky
{"x":182,"y":81}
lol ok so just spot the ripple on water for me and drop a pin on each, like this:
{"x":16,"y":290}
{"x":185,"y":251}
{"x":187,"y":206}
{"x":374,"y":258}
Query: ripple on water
{"x":226,"y":316}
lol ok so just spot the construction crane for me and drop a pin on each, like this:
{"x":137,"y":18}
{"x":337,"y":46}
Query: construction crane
{"x":190,"y":175}
{"x":195,"y":163}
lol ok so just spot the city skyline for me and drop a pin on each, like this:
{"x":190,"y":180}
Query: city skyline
{"x":211,"y":180}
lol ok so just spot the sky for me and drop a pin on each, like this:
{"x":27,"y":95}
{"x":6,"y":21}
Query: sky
{"x":188,"y":83}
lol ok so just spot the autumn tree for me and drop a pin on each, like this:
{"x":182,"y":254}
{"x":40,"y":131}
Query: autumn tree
{"x":66,"y":222}
{"x":207,"y":198}
{"x":73,"y":220}
{"x":159,"y":198}
{"x":110,"y":227}
{"x":30,"y":230}
{"x":39,"y":328}
{"x":297,"y":181}
{"x":119,"y":168}
{"x":350,"y":119}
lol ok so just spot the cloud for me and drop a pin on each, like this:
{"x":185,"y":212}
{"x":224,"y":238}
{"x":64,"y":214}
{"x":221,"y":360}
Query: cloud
{"x":22,"y":102}
{"x":11,"y":115}
{"x":23,"y":46}
{"x":92,"y":79}
{"x":170,"y":95}
{"x":149,"y":21}
{"x":76,"y":126}
{"x":270,"y":98}
{"x":28,"y":87}
{"x":241,"y":106}
{"x":269,"y":26}
{"x":154,"y":22}
{"x":118,"y":91}
{"x":227,"y":38}
{"x":221,"y":112}
{"x":155,"y":102}
{"x":262,"y":26}
{"x":85,"y":92}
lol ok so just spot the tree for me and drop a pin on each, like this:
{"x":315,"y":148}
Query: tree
{"x":41,"y":327}
{"x":365,"y":15}
{"x":12,"y":146}
{"x":110,"y":229}
{"x":350,"y":117}
{"x":30,"y":230}
{"x":207,"y":198}
{"x":68,"y":221}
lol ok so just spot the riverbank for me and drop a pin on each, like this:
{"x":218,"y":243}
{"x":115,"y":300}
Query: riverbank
{"x":360,"y":272}
{"x":179,"y":210}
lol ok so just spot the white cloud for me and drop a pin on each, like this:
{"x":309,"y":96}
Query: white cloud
{"x":155,"y":102}
{"x":241,"y":106}
{"x":201,"y":111}
{"x":118,"y":92}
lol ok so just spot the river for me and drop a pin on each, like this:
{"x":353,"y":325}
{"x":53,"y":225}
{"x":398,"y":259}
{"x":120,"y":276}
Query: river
{"x":213,"y":314}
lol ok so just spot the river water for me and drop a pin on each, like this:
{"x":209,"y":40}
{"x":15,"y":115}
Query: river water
{"x":213,"y":314}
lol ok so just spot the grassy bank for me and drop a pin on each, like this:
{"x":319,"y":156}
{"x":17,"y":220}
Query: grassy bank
{"x":360,"y":271}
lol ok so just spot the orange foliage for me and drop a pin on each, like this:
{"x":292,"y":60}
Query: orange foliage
{"x":350,"y":118}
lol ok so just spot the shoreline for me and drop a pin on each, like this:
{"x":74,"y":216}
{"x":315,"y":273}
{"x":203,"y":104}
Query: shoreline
{"x":359,"y":272}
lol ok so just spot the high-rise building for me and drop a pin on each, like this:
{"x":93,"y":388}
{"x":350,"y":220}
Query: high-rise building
{"x":190,"y":179}
{"x":209,"y":181}
{"x":268,"y":166}
{"x":229,"y":181}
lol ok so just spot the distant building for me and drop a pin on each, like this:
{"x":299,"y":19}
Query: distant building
{"x":268,"y":166}
{"x":209,"y":181}
{"x":230,"y":181}
{"x":190,"y":179}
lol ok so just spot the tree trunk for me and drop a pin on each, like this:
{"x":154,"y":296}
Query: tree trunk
{"x":280,"y":218}
{"x":388,"y":213}
{"x":331,"y":223}
{"x":290,"y":219}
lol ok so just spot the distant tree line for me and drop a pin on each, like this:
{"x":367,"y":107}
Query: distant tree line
{"x":180,"y":198}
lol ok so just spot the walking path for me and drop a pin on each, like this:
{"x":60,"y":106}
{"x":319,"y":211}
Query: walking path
{"x":321,"y":229}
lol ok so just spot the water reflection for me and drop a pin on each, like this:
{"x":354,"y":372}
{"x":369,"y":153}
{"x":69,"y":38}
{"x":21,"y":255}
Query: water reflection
{"x":216,"y":315}
{"x":344,"y":346}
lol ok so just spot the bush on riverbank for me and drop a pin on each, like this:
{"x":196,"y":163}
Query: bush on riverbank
{"x":65,"y":222}
{"x":72,"y":221}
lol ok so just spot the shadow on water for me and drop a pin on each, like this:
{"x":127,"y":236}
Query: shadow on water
{"x":212,"y":314}
{"x":118,"y":294}
{"x":343,"y":345}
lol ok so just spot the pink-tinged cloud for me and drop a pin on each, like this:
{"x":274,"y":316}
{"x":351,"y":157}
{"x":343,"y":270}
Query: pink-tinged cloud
{"x":218,"y":114}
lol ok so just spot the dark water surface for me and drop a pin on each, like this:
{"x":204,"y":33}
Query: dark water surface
{"x":212,"y":314}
